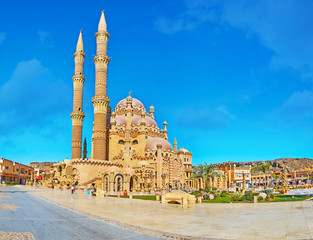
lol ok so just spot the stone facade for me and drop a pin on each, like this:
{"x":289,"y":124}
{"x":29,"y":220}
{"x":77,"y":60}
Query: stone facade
{"x":129,"y":151}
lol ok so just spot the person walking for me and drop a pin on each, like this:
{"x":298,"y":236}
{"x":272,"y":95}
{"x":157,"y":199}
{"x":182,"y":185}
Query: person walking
{"x":73,"y":189}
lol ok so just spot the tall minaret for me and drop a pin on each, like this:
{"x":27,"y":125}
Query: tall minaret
{"x":100,"y":100}
{"x":77,"y":115}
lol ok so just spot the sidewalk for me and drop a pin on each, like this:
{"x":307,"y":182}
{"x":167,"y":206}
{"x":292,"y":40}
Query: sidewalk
{"x":282,"y":220}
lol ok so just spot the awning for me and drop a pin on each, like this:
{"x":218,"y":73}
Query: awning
{"x":39,"y":178}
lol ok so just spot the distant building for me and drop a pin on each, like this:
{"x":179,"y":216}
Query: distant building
{"x":235,"y":176}
{"x":15,"y":172}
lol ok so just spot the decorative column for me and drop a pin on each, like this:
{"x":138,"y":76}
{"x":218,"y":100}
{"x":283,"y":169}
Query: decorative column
{"x":159,"y":165}
{"x":77,"y":115}
{"x":100,"y":100}
{"x":127,"y":148}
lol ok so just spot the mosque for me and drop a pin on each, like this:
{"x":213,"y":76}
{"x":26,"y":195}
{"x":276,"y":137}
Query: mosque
{"x":129,"y":151}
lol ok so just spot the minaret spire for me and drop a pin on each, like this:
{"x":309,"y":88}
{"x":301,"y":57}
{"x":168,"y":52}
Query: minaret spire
{"x":77,"y":115}
{"x":175,"y":145}
{"x":102,"y":23}
{"x":100,"y":100}
{"x":85,"y":149}
{"x":80,"y":44}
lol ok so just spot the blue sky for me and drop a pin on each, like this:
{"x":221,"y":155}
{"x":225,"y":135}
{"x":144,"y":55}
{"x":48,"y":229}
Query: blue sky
{"x":233,"y":79}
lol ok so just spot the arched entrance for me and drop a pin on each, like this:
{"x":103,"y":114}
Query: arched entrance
{"x":118,"y":183}
{"x":106,"y":182}
{"x":133,"y":183}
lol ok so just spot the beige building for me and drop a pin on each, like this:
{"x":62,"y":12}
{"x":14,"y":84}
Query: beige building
{"x":235,"y":176}
{"x":15,"y":172}
{"x":129,"y":150}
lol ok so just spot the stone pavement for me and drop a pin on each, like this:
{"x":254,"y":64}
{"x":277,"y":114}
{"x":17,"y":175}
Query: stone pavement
{"x":283,"y":220}
{"x":27,"y":217}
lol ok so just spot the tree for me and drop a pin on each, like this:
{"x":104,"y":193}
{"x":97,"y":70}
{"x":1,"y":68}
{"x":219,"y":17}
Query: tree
{"x":263,"y":168}
{"x":207,"y":173}
{"x":276,"y":177}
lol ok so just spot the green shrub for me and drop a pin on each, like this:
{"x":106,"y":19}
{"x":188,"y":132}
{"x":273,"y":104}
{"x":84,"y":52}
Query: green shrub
{"x":260,"y":198}
{"x":224,"y":191}
{"x":10,"y":183}
{"x":223,"y":194}
{"x":214,"y":188}
{"x":248,"y":196}
{"x":242,"y":198}
{"x":267,"y":191}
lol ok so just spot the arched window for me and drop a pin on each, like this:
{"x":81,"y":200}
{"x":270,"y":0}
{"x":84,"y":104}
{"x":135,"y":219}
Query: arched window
{"x":135,"y":142}
{"x":120,"y":142}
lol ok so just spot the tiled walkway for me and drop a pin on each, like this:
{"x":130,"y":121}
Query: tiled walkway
{"x":284,"y":220}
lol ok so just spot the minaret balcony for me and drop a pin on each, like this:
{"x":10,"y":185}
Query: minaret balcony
{"x":77,"y":118}
{"x":79,"y":54}
{"x":103,"y":59}
{"x":79,"y":78}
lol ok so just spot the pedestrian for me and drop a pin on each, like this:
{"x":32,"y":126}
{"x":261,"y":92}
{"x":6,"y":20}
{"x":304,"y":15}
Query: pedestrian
{"x":73,"y":189}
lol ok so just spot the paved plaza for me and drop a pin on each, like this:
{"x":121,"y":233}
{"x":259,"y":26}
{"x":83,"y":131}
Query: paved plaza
{"x":24,"y":216}
{"x":283,"y":220}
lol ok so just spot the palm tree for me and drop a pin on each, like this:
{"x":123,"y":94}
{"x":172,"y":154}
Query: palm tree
{"x":207,"y":172}
{"x":263,"y":168}
{"x":276,"y":177}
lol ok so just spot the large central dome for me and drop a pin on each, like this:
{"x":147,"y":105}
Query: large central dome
{"x":135,"y":103}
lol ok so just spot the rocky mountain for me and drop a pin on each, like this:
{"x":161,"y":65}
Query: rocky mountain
{"x":294,"y":164}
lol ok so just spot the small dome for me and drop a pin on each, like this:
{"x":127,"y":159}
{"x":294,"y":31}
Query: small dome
{"x":153,"y":142}
{"x":149,"y":121}
{"x":67,"y":162}
{"x":120,"y":120}
{"x":129,"y":171}
{"x":135,"y":103}
{"x":114,"y":169}
{"x":183,"y":150}
{"x":143,"y":163}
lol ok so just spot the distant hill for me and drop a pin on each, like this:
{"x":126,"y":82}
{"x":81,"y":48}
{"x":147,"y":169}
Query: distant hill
{"x":41,"y":164}
{"x":294,"y":164}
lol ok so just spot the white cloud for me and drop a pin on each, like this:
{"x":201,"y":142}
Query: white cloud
{"x":34,"y":114}
{"x":197,"y":12}
{"x":43,"y":36}
{"x":30,"y":96}
{"x":3,"y":36}
{"x":282,"y":26}
{"x":296,"y":108}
